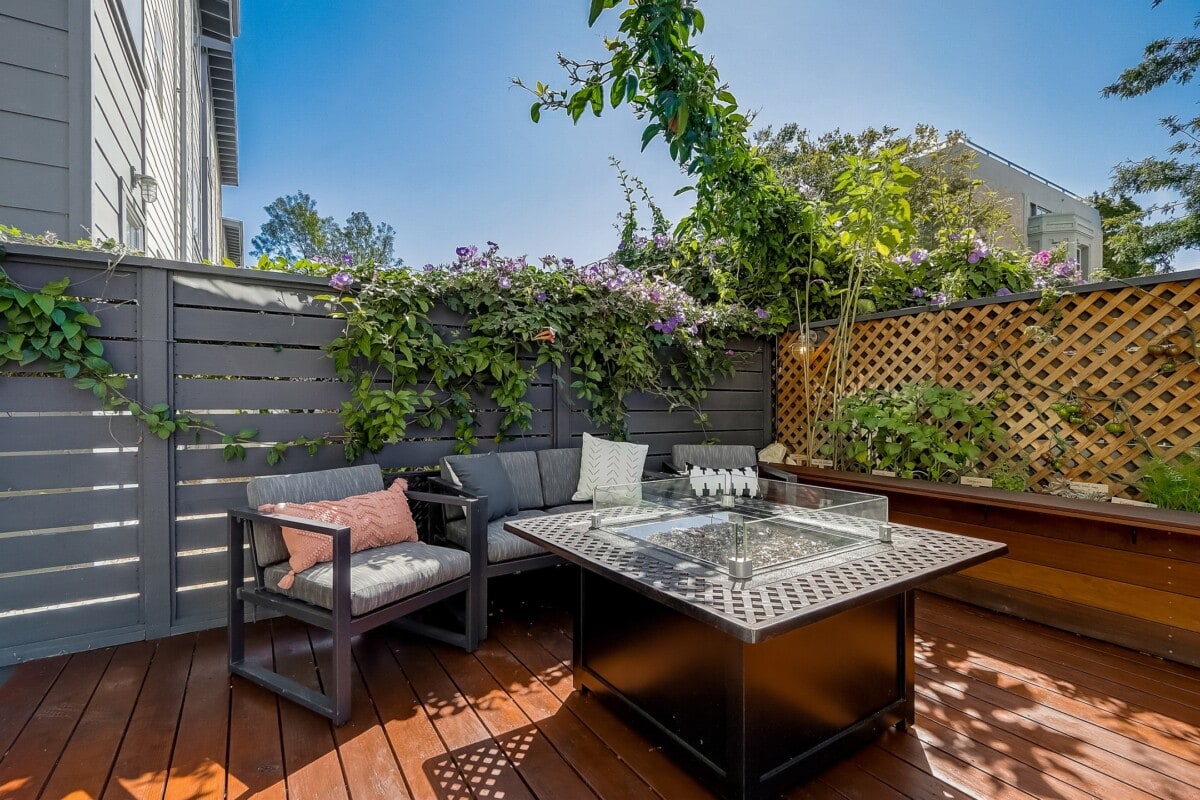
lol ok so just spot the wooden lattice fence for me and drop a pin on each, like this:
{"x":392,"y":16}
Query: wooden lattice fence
{"x":1101,"y":351}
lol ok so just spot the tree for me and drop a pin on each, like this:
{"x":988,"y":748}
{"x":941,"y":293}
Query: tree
{"x":945,"y":199}
{"x":1129,"y":248}
{"x":294,"y":231}
{"x":1178,"y":227}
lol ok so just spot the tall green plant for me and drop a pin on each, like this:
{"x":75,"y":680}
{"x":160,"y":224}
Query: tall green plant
{"x":917,"y":431}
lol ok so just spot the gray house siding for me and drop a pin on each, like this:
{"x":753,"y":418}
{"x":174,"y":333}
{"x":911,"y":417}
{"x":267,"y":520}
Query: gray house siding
{"x":88,"y":100}
{"x":34,"y":120}
{"x":116,"y":119}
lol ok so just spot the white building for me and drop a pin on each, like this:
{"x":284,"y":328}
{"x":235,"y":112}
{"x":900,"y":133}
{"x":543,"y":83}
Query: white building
{"x":1043,"y":213}
{"x":118,"y":119}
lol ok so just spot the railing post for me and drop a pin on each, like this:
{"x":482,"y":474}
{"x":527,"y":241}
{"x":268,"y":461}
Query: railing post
{"x":560,"y":429}
{"x":156,"y":505}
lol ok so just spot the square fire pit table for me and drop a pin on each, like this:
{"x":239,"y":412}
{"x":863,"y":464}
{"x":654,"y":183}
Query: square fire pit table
{"x":763,"y":628}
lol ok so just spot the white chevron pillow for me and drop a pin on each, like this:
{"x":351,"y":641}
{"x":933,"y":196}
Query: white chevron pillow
{"x":606,"y":463}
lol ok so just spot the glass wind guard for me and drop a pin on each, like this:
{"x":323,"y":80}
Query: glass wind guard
{"x":741,"y":524}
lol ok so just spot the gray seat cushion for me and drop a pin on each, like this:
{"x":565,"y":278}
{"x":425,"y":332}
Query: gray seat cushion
{"x":378,"y":576}
{"x":502,"y":545}
{"x":714,"y":456}
{"x":559,"y":469}
{"x":304,"y":487}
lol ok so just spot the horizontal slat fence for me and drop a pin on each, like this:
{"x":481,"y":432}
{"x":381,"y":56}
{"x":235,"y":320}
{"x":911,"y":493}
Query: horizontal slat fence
{"x":107,"y":535}
{"x":1101,"y":347}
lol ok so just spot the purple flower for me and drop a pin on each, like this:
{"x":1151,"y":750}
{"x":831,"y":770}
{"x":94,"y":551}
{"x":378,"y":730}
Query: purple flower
{"x":939,"y":299}
{"x":1039,"y":283}
{"x":954,"y":237}
{"x":974,"y":257}
{"x":568,"y":262}
{"x":918,"y":256}
{"x":540,"y":297}
{"x":341,"y":281}
{"x":430,"y":267}
{"x":729,"y":353}
{"x":1003,"y":291}
{"x":918,"y":291}
{"x":1042,"y":257}
{"x":346,"y":259}
{"x":462,"y":252}
{"x":760,"y":313}
{"x":1062,"y":270}
{"x":662,"y":241}
{"x":492,"y":244}
{"x":621,"y":245}
{"x":505,"y":282}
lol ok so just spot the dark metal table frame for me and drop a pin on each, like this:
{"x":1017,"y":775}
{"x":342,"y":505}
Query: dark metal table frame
{"x":755,"y":684}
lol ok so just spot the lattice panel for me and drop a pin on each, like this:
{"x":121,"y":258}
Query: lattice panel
{"x":1101,"y":350}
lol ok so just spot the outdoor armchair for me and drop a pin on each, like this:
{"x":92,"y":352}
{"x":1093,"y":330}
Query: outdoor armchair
{"x":353,"y":593}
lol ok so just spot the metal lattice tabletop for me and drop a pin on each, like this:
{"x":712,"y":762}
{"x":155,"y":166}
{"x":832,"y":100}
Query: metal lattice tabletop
{"x":772,"y":602}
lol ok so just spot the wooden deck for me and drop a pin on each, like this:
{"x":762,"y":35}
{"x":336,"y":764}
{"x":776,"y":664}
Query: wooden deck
{"x":1006,"y":709}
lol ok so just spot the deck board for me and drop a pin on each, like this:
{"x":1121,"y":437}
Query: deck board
{"x":1006,"y":709}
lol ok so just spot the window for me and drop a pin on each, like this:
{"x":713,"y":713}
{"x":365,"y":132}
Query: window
{"x":1084,"y":264}
{"x":1036,"y":211}
{"x":133,"y":224}
{"x":133,"y":15}
{"x":160,"y":65}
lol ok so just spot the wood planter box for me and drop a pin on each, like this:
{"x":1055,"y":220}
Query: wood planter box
{"x":1123,"y":574}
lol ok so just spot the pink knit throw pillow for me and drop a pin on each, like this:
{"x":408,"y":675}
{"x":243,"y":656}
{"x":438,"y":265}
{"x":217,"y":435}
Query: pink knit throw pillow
{"x":375,"y":519}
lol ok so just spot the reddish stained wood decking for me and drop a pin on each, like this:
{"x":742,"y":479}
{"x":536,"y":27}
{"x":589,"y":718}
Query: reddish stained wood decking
{"x":1006,"y":709}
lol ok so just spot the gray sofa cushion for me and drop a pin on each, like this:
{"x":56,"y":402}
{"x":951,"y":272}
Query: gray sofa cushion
{"x":522,"y":469}
{"x":484,"y":475}
{"x":502,"y":545}
{"x":304,"y":487}
{"x":559,"y":469}
{"x":714,"y":456}
{"x":378,"y":576}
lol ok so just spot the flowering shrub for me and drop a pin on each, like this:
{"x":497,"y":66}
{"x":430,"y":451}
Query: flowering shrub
{"x":620,"y":330}
{"x":962,"y":267}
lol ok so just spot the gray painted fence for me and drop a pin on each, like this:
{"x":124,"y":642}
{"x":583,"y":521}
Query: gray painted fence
{"x":108,"y":535}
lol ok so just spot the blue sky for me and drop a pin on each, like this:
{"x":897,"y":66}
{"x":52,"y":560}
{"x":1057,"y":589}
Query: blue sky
{"x":406,"y":109}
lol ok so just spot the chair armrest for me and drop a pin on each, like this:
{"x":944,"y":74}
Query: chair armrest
{"x":461,"y":499}
{"x":313,"y":525}
{"x":777,"y":474}
{"x":448,"y":486}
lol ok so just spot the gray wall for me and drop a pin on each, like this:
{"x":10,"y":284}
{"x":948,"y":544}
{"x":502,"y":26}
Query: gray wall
{"x":107,"y":535}
{"x":85,"y":101}
{"x":35,"y":115}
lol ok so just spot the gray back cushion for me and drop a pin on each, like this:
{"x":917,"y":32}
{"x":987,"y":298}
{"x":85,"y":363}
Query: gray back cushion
{"x":484,"y":475}
{"x":559,"y":468}
{"x":522,"y":469}
{"x":714,"y":456}
{"x":305,"y":487}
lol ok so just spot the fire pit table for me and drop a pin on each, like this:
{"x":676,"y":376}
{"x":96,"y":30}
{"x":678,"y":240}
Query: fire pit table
{"x":763,"y":628}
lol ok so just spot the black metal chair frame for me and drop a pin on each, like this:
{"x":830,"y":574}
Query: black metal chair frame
{"x":334,"y":703}
{"x":510,"y":567}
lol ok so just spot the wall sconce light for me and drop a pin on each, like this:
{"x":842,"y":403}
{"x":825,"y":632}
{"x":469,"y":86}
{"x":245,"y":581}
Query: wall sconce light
{"x":147,"y":185}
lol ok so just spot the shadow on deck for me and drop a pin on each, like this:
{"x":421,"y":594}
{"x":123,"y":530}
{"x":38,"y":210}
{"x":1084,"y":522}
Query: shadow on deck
{"x":1006,"y":709}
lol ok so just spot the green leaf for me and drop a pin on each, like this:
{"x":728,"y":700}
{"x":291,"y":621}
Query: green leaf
{"x":56,"y":288}
{"x":535,"y":111}
{"x":46,"y":304}
{"x":94,"y":346}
